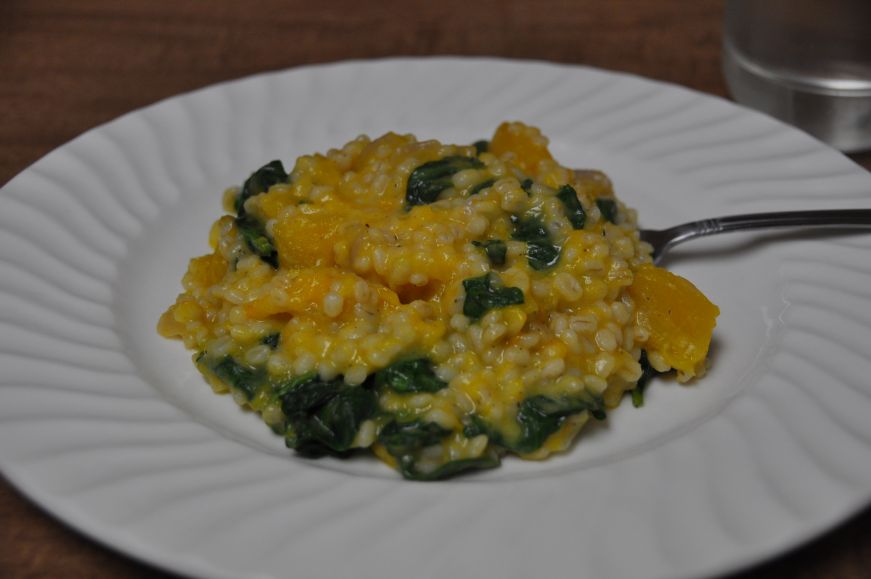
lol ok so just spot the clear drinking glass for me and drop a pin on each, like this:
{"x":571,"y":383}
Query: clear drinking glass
{"x":807,"y":62}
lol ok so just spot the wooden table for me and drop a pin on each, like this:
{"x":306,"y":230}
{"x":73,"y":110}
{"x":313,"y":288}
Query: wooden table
{"x":66,"y":67}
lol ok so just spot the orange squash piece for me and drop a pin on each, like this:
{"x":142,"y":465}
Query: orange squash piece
{"x":205,"y":271}
{"x":679,"y":318}
{"x":307,"y":240}
{"x":526,"y":145}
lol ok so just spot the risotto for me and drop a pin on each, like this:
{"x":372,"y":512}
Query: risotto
{"x":441,"y":305}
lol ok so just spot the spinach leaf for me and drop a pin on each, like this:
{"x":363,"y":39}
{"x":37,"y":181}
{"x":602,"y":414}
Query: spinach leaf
{"x":337,"y":422}
{"x":483,"y":294}
{"x":539,"y":416}
{"x":306,"y":393}
{"x":324,"y":416}
{"x":254,"y":234}
{"x":608,"y":207}
{"x":428,"y":181}
{"x":409,"y":469}
{"x":403,"y":438}
{"x":271,"y":340}
{"x":408,"y":376}
{"x":647,"y":372}
{"x":481,"y":186}
{"x":481,"y":146}
{"x":528,"y":228}
{"x":477,"y":426}
{"x":574,"y":210}
{"x":541,"y":253}
{"x":259,"y":182}
{"x":252,"y":229}
{"x":283,"y":388}
{"x":238,"y":376}
{"x":495,"y":249}
{"x":526,"y":185}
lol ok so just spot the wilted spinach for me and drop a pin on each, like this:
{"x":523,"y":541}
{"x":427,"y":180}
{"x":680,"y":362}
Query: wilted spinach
{"x":324,"y":415}
{"x":538,"y":416}
{"x":410,"y":376}
{"x":608,"y":208}
{"x":541,"y":253}
{"x":496,"y":250}
{"x":254,"y":234}
{"x":238,"y":376}
{"x":647,"y":372}
{"x":405,"y":441}
{"x":271,"y":340}
{"x":410,"y":470}
{"x":250,"y":228}
{"x":526,"y":185}
{"x":484,"y":294}
{"x":574,"y":210}
{"x":481,"y":186}
{"x":259,"y":182}
{"x":427,"y":182}
{"x":402,"y":438}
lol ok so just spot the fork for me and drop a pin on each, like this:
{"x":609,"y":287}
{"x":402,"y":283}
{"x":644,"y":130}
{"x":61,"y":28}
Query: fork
{"x":663,"y":240}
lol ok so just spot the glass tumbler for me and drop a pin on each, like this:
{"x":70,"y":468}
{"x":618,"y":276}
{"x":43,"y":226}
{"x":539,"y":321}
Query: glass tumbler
{"x":807,"y":62}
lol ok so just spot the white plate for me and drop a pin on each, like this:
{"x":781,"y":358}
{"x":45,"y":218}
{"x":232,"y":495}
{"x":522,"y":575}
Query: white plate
{"x":109,"y":427}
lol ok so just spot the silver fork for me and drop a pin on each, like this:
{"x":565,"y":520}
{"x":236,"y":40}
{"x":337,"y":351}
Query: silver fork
{"x":664,"y":239}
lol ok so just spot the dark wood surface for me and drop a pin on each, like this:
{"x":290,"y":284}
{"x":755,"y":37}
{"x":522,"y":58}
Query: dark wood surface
{"x":67,"y":66}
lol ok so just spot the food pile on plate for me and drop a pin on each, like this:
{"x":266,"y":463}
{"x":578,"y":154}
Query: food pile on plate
{"x":441,"y":305}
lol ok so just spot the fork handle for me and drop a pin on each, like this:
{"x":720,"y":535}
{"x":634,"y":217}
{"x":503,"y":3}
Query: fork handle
{"x":821,"y":218}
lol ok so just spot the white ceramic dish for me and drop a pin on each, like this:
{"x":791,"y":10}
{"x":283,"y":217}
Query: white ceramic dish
{"x":109,"y":427}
